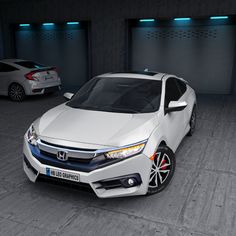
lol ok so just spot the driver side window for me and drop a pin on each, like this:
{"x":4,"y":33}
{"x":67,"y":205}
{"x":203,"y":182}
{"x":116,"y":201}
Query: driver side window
{"x":172,"y":91}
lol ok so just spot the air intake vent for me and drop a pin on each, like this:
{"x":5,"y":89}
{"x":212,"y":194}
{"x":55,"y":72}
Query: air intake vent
{"x":181,"y":33}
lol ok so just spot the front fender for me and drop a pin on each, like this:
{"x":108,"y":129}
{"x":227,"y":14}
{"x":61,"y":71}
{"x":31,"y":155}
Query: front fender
{"x":154,"y":141}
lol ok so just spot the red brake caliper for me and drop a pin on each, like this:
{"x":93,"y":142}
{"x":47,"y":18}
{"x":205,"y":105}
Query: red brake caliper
{"x":162,"y":163}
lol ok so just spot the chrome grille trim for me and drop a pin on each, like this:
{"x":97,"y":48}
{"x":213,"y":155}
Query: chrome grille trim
{"x":82,"y":154}
{"x":71,"y":152}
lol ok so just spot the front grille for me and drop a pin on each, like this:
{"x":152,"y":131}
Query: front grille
{"x":71,"y":148}
{"x":71,"y":159}
{"x":48,"y":154}
{"x":77,"y":164}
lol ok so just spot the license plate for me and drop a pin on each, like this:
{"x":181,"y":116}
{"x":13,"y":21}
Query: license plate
{"x":62,"y":174}
{"x":47,"y":77}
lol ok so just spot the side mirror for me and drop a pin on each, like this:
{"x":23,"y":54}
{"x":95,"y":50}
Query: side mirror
{"x":68,"y":96}
{"x":175,"y":106}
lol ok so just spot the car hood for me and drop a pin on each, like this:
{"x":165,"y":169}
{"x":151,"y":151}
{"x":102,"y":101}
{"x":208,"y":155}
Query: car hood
{"x":95,"y":127}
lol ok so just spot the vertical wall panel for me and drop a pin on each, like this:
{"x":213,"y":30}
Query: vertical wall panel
{"x":65,"y":48}
{"x":203,"y":55}
{"x":1,"y":42}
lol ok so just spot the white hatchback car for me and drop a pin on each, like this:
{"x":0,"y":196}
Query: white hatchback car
{"x":19,"y":78}
{"x":118,"y":134}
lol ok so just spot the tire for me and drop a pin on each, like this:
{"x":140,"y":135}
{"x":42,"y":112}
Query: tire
{"x":16,"y":92}
{"x":161,"y":177}
{"x":192,"y":122}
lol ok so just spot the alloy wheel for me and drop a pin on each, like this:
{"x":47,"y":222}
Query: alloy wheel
{"x":160,"y":170}
{"x":16,"y":92}
{"x":192,"y":122}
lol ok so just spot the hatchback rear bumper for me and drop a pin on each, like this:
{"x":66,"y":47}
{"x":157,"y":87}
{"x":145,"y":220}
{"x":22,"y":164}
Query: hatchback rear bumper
{"x":46,"y":90}
{"x":34,"y":88}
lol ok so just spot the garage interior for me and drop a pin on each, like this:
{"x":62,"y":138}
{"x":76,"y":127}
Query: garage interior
{"x":181,"y":45}
{"x":193,"y":39}
{"x":62,"y":45}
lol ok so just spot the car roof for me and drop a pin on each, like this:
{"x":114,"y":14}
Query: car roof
{"x":153,"y":75}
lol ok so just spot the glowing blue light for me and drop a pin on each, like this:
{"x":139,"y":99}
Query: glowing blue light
{"x":48,"y":24}
{"x":218,"y":17}
{"x":146,"y":20}
{"x":182,"y":19}
{"x":24,"y":25}
{"x":72,"y":23}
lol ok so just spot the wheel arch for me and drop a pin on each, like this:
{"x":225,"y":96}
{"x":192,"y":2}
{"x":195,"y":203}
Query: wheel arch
{"x":13,"y":93}
{"x":162,"y":143}
{"x":15,"y":82}
{"x":156,"y":139}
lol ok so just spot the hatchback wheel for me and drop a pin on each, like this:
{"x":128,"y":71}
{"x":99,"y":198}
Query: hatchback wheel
{"x":162,"y":170}
{"x":16,"y":92}
{"x":192,"y":122}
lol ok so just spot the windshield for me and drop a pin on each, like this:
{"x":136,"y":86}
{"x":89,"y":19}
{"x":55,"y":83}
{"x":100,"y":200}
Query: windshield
{"x":124,"y":95}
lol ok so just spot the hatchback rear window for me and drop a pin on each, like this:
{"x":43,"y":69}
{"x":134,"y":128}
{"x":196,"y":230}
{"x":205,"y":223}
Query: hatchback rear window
{"x":29,"y":64}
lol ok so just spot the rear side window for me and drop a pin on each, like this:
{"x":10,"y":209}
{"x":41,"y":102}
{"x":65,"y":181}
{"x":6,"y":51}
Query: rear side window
{"x":182,"y":86}
{"x":30,"y":64}
{"x":172,"y":91}
{"x":6,"y":68}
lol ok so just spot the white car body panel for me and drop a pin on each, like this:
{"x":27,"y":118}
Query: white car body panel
{"x":96,"y":127}
{"x":88,"y":129}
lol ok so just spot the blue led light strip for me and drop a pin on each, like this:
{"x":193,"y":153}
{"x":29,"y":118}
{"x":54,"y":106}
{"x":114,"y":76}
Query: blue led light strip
{"x":146,"y":20}
{"x":182,"y":19}
{"x":218,"y":17}
{"x":72,"y":23}
{"x":24,"y":25}
{"x":48,"y":24}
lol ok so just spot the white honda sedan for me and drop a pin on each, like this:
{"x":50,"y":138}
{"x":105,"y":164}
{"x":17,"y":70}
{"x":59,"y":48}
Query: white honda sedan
{"x":19,"y":78}
{"x":117,"y":134}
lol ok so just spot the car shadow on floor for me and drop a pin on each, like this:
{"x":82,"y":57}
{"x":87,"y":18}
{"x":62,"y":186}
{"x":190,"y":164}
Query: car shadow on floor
{"x":34,"y":97}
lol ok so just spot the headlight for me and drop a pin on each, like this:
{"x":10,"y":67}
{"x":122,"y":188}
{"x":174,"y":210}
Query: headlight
{"x":125,"y":152}
{"x":32,"y":136}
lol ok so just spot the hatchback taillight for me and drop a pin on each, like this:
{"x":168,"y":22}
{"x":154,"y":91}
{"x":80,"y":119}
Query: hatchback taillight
{"x":29,"y":76}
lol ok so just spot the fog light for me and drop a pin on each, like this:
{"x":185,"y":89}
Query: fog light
{"x":126,"y":181}
{"x":131,"y":182}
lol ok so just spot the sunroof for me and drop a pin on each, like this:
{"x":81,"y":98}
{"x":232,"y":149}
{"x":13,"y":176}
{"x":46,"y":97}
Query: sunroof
{"x":150,"y":73}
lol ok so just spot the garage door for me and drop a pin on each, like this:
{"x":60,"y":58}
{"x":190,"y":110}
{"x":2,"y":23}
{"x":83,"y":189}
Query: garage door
{"x":203,"y":55}
{"x":62,"y":46}
{"x":1,"y":43}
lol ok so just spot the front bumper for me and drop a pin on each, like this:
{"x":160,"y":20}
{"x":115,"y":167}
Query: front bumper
{"x":139,"y":165}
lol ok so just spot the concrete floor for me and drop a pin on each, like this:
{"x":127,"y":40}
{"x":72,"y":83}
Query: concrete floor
{"x":201,"y":199}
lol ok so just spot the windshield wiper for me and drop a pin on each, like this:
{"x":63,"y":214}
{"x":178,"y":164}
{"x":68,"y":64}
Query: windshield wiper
{"x":109,"y":108}
{"x":85,"y":107}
